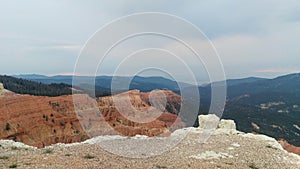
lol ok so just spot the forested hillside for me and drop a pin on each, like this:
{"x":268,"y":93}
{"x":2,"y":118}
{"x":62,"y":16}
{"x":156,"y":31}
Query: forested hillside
{"x":23,"y":86}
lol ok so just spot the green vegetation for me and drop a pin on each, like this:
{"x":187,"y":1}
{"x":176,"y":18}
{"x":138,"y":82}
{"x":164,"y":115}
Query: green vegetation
{"x":23,"y":86}
{"x":268,"y":146}
{"x":14,"y":148}
{"x":118,"y":120}
{"x":7,"y":127}
{"x":48,"y":151}
{"x":253,"y":166}
{"x":62,"y":123}
{"x":272,"y":104}
{"x":13,"y":166}
{"x":271,"y":121}
{"x":88,"y":156}
{"x":229,"y":163}
{"x":160,"y":167}
{"x":4,"y":157}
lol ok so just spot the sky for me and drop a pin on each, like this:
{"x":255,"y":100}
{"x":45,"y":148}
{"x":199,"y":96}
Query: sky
{"x":252,"y":38}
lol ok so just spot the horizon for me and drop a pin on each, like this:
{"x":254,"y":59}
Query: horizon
{"x":199,"y":83}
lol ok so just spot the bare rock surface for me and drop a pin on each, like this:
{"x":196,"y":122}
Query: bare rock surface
{"x":288,"y":147}
{"x":227,"y":124}
{"x":209,"y":121}
{"x":2,"y":90}
{"x":222,"y":150}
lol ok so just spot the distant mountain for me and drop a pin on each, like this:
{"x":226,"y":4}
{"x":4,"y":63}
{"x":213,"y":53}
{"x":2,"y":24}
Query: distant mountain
{"x":103,"y":83}
{"x":233,"y":82}
{"x":283,"y":84}
{"x":23,"y":86}
{"x":30,"y":76}
{"x":267,"y":106}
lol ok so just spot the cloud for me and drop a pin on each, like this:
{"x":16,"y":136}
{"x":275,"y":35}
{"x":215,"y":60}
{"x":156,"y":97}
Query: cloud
{"x":256,"y":35}
{"x":71,"y":48}
{"x":278,"y":70}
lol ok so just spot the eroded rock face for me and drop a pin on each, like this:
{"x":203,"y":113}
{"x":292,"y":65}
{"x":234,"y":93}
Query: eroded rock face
{"x":42,"y":121}
{"x":39,"y":121}
{"x":139,"y":115}
{"x":288,"y":147}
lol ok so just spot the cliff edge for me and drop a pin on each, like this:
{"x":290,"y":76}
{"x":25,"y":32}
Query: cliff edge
{"x":202,"y":147}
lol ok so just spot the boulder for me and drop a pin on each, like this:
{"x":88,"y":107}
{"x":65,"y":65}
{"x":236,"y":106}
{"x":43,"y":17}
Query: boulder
{"x":209,"y":121}
{"x":227,"y":124}
{"x":1,"y":86}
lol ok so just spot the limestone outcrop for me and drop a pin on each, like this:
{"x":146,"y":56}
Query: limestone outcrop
{"x":209,"y":121}
{"x":1,"y":86}
{"x":215,"y":126}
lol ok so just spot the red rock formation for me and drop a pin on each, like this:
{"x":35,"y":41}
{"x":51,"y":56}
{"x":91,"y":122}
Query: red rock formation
{"x":141,"y":118}
{"x":288,"y":147}
{"x":41,"y":121}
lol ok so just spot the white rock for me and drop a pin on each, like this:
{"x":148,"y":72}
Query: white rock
{"x":11,"y":143}
{"x":1,"y":86}
{"x":209,"y":121}
{"x":271,"y":141}
{"x":227,"y":132}
{"x":227,"y":124}
{"x":211,"y":155}
{"x":236,"y":145}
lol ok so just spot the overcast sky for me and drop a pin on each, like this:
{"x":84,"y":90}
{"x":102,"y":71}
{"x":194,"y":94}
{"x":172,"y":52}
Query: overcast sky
{"x":253,"y":38}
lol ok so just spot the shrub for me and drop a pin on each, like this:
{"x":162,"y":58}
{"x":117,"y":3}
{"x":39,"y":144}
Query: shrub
{"x":88,"y":156}
{"x":4,"y":157}
{"x":7,"y":127}
{"x":252,"y":165}
{"x":48,"y":151}
{"x":14,"y":148}
{"x":13,"y":166}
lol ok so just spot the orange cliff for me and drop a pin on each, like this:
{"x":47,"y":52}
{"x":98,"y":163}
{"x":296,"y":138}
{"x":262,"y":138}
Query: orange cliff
{"x":288,"y":147}
{"x":152,"y":121}
{"x":41,"y":121}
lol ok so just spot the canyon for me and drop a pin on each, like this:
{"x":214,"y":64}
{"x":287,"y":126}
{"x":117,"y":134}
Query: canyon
{"x":42,"y":121}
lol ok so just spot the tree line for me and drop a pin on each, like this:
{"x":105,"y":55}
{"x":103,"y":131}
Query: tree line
{"x":22,"y":86}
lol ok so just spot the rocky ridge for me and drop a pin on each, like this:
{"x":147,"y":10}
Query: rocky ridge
{"x":225,"y":148}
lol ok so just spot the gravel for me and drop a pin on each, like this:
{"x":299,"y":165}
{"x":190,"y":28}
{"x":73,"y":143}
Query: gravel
{"x":222,"y":150}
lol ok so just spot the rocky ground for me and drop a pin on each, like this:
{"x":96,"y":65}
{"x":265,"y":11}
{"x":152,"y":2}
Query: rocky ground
{"x":225,"y":148}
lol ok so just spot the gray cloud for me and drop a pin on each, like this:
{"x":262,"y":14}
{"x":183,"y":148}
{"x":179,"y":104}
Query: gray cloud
{"x":250,"y":36}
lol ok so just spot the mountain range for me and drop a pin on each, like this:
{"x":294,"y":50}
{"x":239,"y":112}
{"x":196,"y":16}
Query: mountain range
{"x":267,"y":106}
